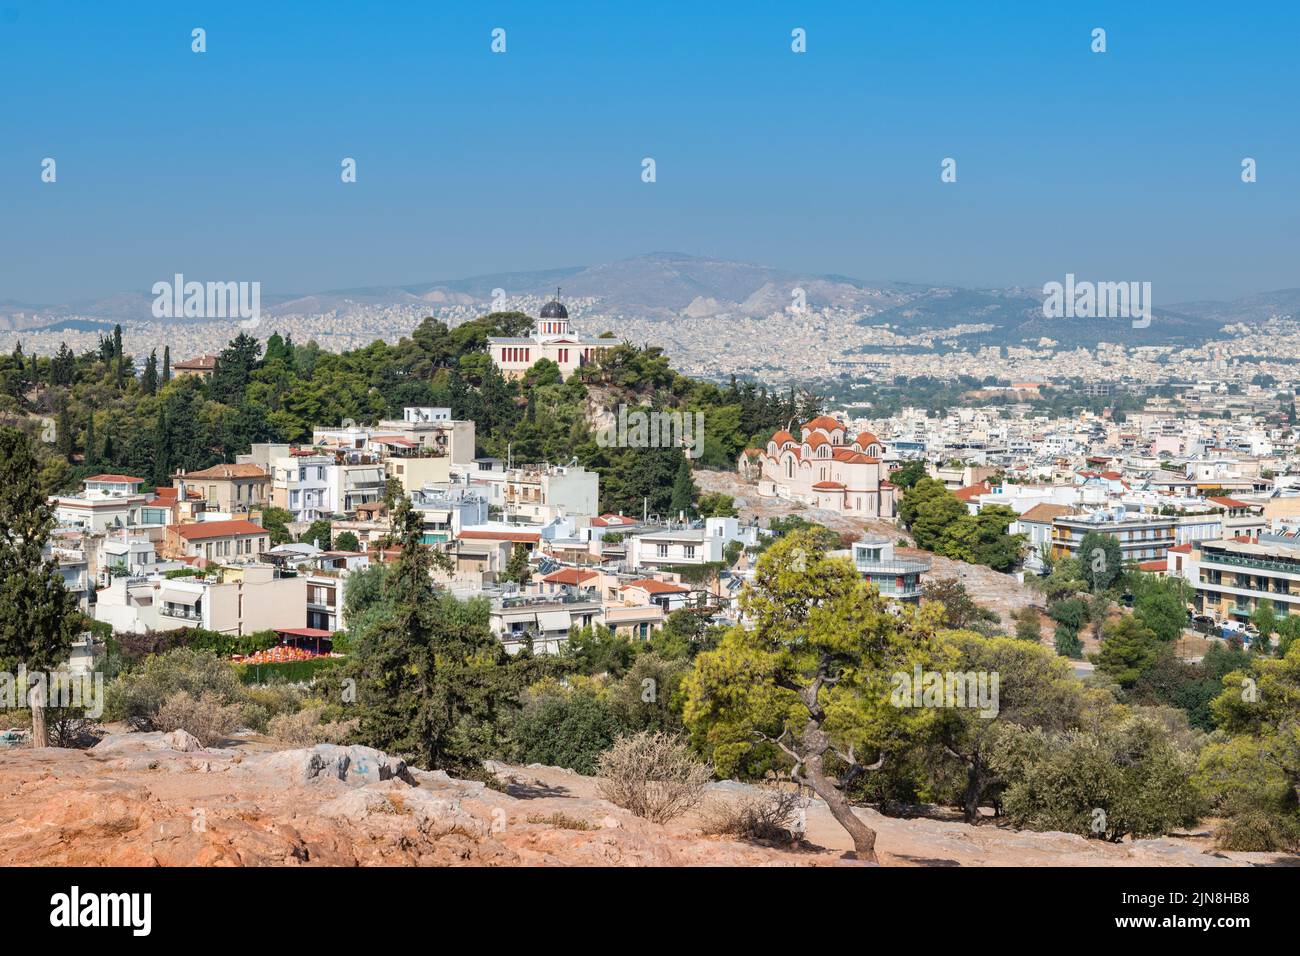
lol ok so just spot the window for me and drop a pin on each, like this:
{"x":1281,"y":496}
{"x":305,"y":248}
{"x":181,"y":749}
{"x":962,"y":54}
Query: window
{"x":689,"y":551}
{"x":661,"y":550}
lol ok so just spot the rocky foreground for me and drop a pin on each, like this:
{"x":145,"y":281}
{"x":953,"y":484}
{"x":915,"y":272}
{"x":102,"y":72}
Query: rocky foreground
{"x":151,"y":799}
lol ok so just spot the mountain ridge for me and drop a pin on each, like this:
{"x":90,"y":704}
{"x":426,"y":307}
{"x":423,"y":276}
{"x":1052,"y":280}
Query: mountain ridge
{"x":667,"y":286}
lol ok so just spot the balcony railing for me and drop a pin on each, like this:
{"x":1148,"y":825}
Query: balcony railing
{"x":531,"y":600}
{"x":182,"y":612}
{"x":1262,"y":564}
{"x":897,"y":566}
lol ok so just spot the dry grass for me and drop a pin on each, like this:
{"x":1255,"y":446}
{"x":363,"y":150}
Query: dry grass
{"x":561,"y":821}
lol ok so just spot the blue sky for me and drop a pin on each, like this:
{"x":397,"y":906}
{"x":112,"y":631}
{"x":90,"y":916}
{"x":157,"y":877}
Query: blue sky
{"x":225,"y":165}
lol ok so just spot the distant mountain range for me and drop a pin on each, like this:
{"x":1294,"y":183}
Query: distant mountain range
{"x":669,"y":286}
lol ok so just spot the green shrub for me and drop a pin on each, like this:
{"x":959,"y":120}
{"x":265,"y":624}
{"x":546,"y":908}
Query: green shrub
{"x":1245,"y":783}
{"x":293,"y":672}
{"x":1128,"y":778}
{"x":565,"y":729}
{"x":138,"y":695}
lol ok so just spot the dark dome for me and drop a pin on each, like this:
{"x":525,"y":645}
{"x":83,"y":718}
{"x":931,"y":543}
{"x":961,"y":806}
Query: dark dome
{"x":554,"y":310}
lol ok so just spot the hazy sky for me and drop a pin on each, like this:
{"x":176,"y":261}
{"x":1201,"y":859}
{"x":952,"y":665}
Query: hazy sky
{"x":225,"y":165}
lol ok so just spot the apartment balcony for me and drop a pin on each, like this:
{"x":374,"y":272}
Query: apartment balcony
{"x":181,"y":612}
{"x":896,"y":566}
{"x":536,"y":600}
{"x":1282,"y":565}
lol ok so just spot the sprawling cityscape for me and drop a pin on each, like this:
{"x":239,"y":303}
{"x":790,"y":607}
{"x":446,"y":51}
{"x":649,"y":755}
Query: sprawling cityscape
{"x":346,"y":521}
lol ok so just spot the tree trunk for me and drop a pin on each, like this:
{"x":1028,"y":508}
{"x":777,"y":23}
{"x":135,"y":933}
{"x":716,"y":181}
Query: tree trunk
{"x":815,"y":746}
{"x":864,"y":838}
{"x":971,"y":797}
{"x":36,"y":700}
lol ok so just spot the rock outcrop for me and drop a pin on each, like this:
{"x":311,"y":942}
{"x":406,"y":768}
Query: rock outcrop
{"x":148,"y":799}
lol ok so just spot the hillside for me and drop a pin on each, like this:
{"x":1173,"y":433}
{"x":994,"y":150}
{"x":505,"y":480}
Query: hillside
{"x":149,"y":799}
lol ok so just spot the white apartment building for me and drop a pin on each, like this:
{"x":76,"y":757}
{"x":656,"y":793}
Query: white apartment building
{"x":234,"y":601}
{"x":538,"y":494}
{"x":702,"y":545}
{"x":300,"y":484}
{"x":127,"y":555}
{"x":350,"y":485}
{"x":421,"y":431}
{"x":106,"y":502}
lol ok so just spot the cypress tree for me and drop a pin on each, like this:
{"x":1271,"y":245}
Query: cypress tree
{"x":683,"y":499}
{"x":149,"y":380}
{"x":66,"y":440}
{"x":38,"y":617}
{"x":91,"y":450}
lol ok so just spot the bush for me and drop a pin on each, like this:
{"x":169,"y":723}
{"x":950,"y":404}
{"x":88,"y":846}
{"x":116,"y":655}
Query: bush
{"x":305,"y":728}
{"x":265,"y":702}
{"x":1246,"y":783}
{"x":1129,"y":778}
{"x":1029,"y":626}
{"x":648,"y":697}
{"x":768,"y":817}
{"x":138,"y":695}
{"x":206,"y":717}
{"x":652,"y":775}
{"x":293,"y":672}
{"x":565,"y":729}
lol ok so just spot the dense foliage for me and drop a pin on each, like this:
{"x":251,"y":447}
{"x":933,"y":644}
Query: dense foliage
{"x":106,"y":417}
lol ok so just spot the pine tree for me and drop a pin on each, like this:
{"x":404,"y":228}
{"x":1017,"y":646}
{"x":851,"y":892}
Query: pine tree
{"x":428,"y":665}
{"x":38,"y":617}
{"x":517,"y":569}
{"x":235,"y":367}
{"x":1067,"y":642}
{"x":167,"y":364}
